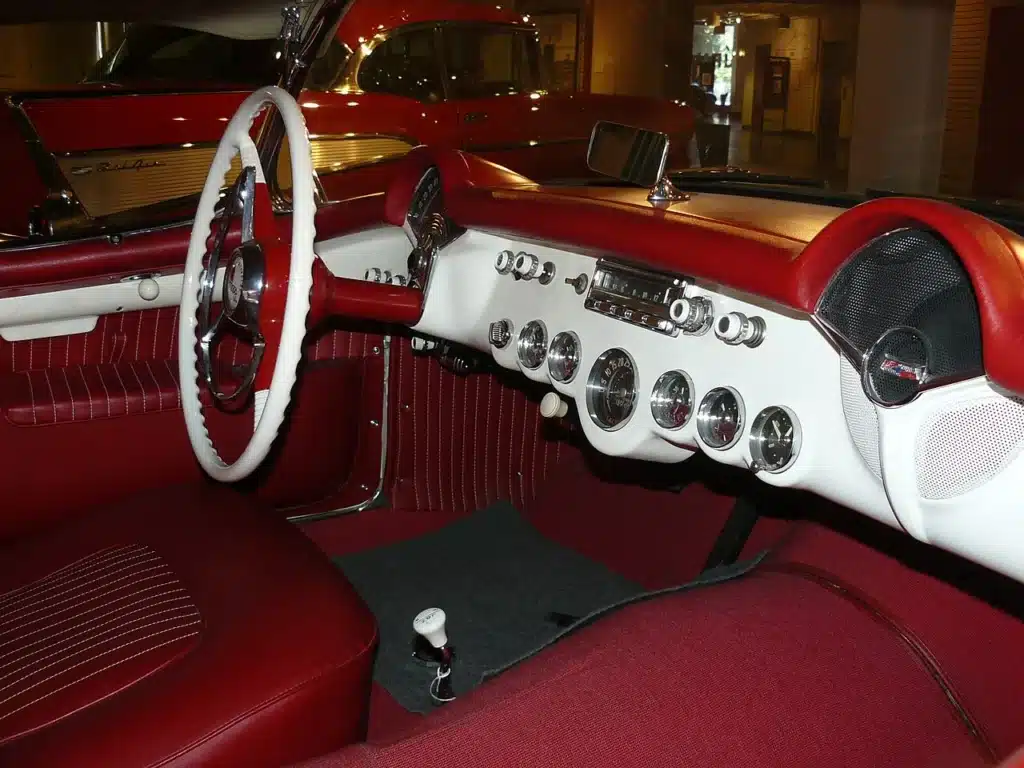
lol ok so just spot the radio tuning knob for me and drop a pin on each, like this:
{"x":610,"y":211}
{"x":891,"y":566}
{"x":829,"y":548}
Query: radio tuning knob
{"x":500,"y":333}
{"x":736,"y":328}
{"x":692,"y":315}
{"x":527,"y":266}
{"x":504,"y":263}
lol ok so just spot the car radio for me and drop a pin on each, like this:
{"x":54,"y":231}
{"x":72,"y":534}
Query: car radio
{"x":636,"y":296}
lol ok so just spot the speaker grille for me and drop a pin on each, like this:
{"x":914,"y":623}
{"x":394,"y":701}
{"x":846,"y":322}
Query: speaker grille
{"x":961,"y":449}
{"x":910,"y":278}
{"x":861,"y":417}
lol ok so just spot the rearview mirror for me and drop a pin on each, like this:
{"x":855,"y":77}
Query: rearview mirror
{"x":630,"y":154}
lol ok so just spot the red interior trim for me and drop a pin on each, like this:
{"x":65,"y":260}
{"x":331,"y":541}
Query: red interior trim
{"x":360,"y":299}
{"x":906,"y":636}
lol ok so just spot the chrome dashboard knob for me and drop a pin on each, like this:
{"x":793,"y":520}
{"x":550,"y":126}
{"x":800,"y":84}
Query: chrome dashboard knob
{"x":504,"y":263}
{"x":692,"y":315}
{"x":373,"y":274}
{"x":736,"y":328}
{"x":500,"y":333}
{"x":527,"y":266}
{"x":398,"y":280}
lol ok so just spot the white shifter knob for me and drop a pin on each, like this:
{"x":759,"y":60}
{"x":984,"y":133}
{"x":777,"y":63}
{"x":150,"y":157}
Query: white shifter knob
{"x":430,"y":624}
{"x":553,"y":407}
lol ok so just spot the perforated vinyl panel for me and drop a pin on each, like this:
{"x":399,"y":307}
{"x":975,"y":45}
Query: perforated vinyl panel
{"x":861,"y":417}
{"x":912,"y":278}
{"x":961,"y":449}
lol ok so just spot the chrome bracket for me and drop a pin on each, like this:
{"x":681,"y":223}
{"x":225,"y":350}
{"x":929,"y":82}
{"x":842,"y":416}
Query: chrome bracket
{"x":666,"y":192}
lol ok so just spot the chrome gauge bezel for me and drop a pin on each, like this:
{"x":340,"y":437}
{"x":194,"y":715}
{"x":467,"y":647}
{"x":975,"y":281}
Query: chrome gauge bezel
{"x":758,"y":439}
{"x":596,"y":389}
{"x":659,"y":399}
{"x":558,"y":354}
{"x":705,"y":421}
{"x":523,"y":345}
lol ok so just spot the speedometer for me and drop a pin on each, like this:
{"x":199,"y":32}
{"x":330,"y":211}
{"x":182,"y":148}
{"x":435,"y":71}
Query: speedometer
{"x":426,"y":199}
{"x":611,"y":389}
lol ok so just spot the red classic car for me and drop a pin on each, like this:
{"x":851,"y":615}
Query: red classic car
{"x":142,"y":130}
{"x":571,"y":488}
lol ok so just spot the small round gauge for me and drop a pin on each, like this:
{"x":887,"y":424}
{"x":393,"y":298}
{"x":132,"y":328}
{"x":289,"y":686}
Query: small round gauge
{"x":564,"y":357}
{"x":774,"y":439}
{"x":672,"y":400}
{"x":611,"y":389}
{"x":532,"y":346}
{"x":720,"y":418}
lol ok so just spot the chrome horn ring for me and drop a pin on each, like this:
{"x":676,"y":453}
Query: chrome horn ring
{"x":243,"y":288}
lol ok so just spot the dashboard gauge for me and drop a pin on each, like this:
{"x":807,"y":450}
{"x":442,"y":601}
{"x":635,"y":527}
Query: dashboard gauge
{"x":774,"y":439}
{"x":564,"y":357}
{"x":672,"y":400}
{"x":426,"y":199}
{"x":720,"y":418}
{"x":611,"y":389}
{"x":533,"y":344}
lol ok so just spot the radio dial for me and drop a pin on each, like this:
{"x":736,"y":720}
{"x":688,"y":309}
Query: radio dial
{"x":504,"y":263}
{"x":736,"y":328}
{"x":692,"y":315}
{"x":527,"y":266}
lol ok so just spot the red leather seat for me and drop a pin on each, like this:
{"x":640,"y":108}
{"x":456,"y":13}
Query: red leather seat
{"x":180,"y":627}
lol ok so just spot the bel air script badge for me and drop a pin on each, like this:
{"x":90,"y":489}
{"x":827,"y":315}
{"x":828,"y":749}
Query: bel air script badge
{"x":138,"y":164}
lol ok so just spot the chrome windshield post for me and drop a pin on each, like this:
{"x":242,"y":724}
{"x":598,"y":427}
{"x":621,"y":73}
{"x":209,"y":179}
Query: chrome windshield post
{"x":306,"y":30}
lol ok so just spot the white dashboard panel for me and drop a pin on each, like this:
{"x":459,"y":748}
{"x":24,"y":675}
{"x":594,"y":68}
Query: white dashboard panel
{"x":953,"y":463}
{"x":795,"y":366}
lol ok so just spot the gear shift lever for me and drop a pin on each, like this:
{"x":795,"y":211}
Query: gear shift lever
{"x":430,"y":625}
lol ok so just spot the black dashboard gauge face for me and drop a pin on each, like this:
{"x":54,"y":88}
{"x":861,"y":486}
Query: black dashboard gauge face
{"x":612,"y":389}
{"x":720,"y":418}
{"x":532,"y":347}
{"x":672,"y":400}
{"x":426,"y":199}
{"x":564,"y":357}
{"x":425,"y":213}
{"x":774,"y":439}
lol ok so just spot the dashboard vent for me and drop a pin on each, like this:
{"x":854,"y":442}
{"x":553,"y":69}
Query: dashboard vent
{"x":908,"y":278}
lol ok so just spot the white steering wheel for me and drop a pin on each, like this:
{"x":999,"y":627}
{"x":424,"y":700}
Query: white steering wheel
{"x":266,"y":286}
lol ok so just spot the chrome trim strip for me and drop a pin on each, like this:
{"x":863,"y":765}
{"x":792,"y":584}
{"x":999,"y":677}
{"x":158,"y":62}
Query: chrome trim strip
{"x":377,"y":498}
{"x":523,"y":145}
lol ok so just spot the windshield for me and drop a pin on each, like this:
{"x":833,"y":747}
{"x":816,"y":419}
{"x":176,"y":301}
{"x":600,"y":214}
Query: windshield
{"x":157,"y":53}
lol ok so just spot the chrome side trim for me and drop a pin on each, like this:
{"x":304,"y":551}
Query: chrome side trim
{"x":512,"y":145}
{"x":377,"y":498}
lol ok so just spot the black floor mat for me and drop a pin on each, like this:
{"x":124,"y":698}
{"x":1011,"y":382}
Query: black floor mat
{"x":502,"y":584}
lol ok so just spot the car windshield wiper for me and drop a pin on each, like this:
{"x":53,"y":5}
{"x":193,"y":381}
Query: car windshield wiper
{"x":735,"y":175}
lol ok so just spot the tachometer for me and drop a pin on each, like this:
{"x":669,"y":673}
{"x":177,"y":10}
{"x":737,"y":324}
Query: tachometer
{"x":612,"y":389}
{"x":564,"y":357}
{"x":672,"y":400}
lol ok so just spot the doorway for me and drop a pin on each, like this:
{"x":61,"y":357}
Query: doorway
{"x":834,"y":65}
{"x":999,"y":162}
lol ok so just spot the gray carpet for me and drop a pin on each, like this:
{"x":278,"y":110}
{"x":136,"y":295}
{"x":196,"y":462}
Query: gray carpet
{"x":497,"y":579}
